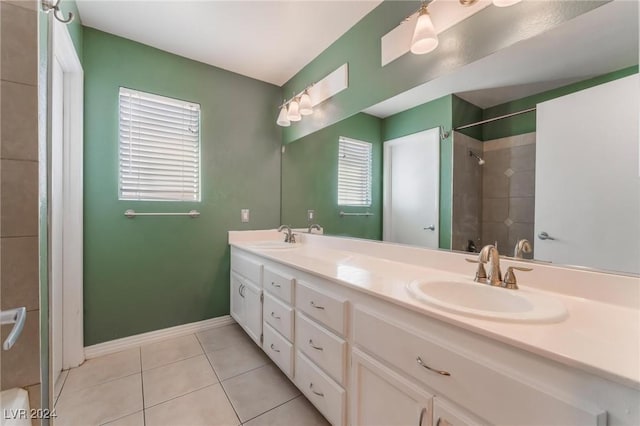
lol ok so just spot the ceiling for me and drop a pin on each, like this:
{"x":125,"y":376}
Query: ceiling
{"x":266,"y":40}
{"x":597,"y":42}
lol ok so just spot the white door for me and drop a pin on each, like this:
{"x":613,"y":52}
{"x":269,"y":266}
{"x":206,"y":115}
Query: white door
{"x":587,"y":178}
{"x":253,"y":311}
{"x":57,"y":218}
{"x":381,"y":397}
{"x":411,"y":189}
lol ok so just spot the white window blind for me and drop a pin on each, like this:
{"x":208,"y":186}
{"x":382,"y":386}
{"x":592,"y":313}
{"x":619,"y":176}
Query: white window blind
{"x":159,"y":148}
{"x":354,"y":172}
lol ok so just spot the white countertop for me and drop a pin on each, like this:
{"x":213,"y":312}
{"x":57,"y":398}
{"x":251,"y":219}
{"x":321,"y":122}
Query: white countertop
{"x":600,"y":338}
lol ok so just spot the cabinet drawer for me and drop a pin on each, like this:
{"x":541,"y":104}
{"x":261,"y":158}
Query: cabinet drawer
{"x":278,"y":349}
{"x":328,"y":397}
{"x":491,"y":391}
{"x":323,"y":347}
{"x":246,"y":267}
{"x":279,"y":284}
{"x":278,"y":315}
{"x":324,"y":307}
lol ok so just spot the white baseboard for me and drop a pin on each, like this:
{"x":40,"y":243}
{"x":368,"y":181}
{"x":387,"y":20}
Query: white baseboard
{"x":137,"y":340}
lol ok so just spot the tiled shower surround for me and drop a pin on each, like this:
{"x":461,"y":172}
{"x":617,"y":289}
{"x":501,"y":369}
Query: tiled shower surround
{"x":494,"y":202}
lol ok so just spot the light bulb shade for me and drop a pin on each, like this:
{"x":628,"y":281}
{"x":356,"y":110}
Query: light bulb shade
{"x":294,"y":111}
{"x":424,"y":38}
{"x":305,"y":104}
{"x":505,"y":3}
{"x":282,"y":117}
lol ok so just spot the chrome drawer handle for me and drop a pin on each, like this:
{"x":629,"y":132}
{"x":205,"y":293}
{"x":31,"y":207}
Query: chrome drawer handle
{"x":273,"y":348}
{"x":443,"y":422}
{"x":274,"y":284}
{"x":422,"y":413}
{"x":440,"y":372}
{"x":319,"y":348}
{"x":274,"y":315}
{"x":312,"y":303}
{"x":17,"y":317}
{"x":316,"y":392}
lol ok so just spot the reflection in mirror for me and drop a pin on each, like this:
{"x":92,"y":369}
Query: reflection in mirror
{"x":563,"y":175}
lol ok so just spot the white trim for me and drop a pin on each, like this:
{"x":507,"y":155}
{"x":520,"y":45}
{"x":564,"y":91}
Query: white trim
{"x":137,"y":340}
{"x":72,"y":174}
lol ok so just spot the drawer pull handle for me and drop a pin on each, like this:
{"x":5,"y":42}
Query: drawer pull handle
{"x":316,"y":392}
{"x":240,"y":290}
{"x":274,"y":284}
{"x":273,"y":348}
{"x":422,"y":413}
{"x":443,"y":422}
{"x":319,"y":348}
{"x":440,"y":372}
{"x":312,"y":303}
{"x":273,"y":314}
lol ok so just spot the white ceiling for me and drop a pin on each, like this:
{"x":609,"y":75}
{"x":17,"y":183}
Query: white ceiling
{"x":597,"y":42}
{"x":267,"y":40}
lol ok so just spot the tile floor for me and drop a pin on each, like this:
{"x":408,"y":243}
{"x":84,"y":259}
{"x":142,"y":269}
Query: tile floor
{"x":216,"y":377}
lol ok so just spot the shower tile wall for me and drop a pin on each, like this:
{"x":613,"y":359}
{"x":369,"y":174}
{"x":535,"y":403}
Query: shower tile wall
{"x":467,"y":193}
{"x":19,"y":189}
{"x":508,"y":191}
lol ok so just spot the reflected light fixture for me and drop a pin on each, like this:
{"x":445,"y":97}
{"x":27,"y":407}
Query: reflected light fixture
{"x":306,"y":108}
{"x":424,"y":38}
{"x":283,"y":120}
{"x":505,"y":3}
{"x":294,"y":110}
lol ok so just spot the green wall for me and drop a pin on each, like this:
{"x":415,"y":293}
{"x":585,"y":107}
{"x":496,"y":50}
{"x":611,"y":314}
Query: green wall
{"x":423,"y":117}
{"x":150,"y":273}
{"x":526,"y":123}
{"x":309,"y":179}
{"x":486,"y":32}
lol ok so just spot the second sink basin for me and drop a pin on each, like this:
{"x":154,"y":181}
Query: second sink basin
{"x":487,"y":302}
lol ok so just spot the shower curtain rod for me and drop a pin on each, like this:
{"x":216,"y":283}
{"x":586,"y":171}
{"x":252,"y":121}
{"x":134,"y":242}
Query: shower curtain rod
{"x":489,"y":120}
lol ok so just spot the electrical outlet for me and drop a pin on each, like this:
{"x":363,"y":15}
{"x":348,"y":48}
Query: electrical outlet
{"x":311,"y":215}
{"x":244,"y":215}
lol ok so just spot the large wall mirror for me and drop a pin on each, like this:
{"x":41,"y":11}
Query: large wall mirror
{"x":538,"y":142}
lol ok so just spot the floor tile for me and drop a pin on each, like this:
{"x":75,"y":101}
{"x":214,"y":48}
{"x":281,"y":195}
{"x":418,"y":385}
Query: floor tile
{"x":258,"y":391}
{"x":135,"y":419}
{"x":171,"y":350}
{"x":169,"y":381}
{"x":299,"y":412}
{"x":59,"y":384}
{"x":237,"y":359}
{"x":206,"y":407}
{"x":103,"y":369}
{"x":222,"y":337}
{"x":101,"y":403}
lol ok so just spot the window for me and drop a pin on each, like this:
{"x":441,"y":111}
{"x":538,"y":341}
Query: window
{"x":159,"y":148}
{"x":354,"y":172}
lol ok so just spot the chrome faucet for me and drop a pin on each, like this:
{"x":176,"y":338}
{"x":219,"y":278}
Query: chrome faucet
{"x":289,"y":237}
{"x":314,"y":226}
{"x":523,"y":246}
{"x":489,"y":253}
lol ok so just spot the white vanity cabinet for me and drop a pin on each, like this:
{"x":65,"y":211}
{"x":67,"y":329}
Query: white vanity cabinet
{"x":246,"y":295}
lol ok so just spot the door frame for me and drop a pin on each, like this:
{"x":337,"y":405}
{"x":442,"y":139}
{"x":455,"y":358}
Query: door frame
{"x":63,"y":49}
{"x":386,"y":182}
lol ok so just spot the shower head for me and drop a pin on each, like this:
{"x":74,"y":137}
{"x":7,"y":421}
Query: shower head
{"x":473,"y":154}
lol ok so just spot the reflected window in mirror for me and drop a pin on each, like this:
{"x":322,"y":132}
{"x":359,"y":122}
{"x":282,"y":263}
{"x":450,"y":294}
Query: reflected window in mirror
{"x":354,"y":172}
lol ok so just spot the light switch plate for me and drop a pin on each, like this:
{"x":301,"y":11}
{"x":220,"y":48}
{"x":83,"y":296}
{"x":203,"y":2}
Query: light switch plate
{"x":311,"y":215}
{"x":244,"y":215}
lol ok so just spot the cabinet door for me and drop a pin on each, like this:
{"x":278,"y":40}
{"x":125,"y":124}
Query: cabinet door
{"x":381,"y":397}
{"x":237,"y":299}
{"x":252,"y":311}
{"x":445,"y":414}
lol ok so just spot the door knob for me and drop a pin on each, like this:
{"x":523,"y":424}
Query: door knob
{"x":544,"y":236}
{"x":430,"y":228}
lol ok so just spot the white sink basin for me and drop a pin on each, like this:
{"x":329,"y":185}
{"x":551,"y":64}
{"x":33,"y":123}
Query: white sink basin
{"x":272,"y":245}
{"x":487,"y":302}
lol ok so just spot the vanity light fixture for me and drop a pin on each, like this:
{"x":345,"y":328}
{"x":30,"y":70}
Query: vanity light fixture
{"x":294,"y":110}
{"x":306,"y":107}
{"x":283,"y":120}
{"x":425,"y":38}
